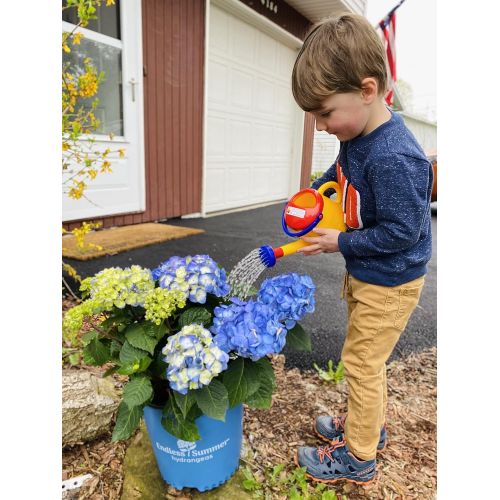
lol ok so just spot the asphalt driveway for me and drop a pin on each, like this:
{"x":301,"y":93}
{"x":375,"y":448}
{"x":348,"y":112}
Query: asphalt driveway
{"x":228,"y":238}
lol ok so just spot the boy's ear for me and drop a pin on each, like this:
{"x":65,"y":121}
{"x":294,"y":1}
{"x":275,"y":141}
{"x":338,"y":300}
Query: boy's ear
{"x":369,"y":89}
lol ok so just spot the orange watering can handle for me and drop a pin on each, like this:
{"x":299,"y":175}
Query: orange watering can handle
{"x":331,"y":185}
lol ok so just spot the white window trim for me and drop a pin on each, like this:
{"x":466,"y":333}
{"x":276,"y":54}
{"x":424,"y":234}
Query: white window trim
{"x":93,"y":35}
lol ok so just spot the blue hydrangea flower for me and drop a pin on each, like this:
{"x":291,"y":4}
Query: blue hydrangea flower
{"x":251,"y":329}
{"x":193,"y":358}
{"x":195,"y":275}
{"x":291,"y":295}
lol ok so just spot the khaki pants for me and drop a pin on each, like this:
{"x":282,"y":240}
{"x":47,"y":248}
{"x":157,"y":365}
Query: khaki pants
{"x":376,"y":317}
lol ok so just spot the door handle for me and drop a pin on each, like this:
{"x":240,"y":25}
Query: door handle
{"x":133,"y":83}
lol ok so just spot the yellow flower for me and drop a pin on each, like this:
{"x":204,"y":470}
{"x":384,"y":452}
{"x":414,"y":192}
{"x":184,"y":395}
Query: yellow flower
{"x":66,"y":48}
{"x":110,"y":2}
{"x":121,"y":152}
{"x":76,"y":38}
{"x":65,"y":146}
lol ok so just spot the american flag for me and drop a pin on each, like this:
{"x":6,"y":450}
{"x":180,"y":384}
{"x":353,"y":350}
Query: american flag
{"x":388,"y":27}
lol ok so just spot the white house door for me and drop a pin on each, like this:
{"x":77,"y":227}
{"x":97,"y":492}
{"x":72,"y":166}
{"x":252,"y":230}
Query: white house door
{"x":114,"y":43}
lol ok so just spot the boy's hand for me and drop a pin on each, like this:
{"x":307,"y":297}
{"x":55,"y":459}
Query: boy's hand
{"x":327,"y":242}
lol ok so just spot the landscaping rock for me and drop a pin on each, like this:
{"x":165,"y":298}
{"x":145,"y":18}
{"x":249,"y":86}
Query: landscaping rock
{"x":88,"y":405}
{"x":143,"y":479}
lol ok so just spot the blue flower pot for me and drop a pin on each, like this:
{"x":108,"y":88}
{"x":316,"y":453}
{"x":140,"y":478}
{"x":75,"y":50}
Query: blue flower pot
{"x":203,"y":464}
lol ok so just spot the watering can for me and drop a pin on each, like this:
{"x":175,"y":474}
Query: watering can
{"x":305,"y":210}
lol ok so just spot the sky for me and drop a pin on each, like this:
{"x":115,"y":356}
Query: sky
{"x":415,"y":47}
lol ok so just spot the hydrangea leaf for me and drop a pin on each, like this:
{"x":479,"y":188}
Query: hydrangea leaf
{"x":130,"y":354}
{"x":127,"y":420}
{"x":173,"y":422}
{"x":155,"y":331}
{"x":192,"y":315}
{"x":137,"y":392}
{"x":137,"y":337}
{"x":96,"y":352}
{"x":262,"y":397}
{"x":184,"y":401}
{"x":87,"y":337}
{"x":298,"y":339}
{"x":129,"y":368}
{"x":213,"y":400}
{"x":241,"y":379}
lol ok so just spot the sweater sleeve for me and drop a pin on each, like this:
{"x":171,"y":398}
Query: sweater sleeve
{"x":329,"y":175}
{"x":401,"y":186}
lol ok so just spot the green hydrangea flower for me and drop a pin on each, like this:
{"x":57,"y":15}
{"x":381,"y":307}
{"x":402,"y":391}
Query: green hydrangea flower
{"x":118,"y":287}
{"x":161,"y":303}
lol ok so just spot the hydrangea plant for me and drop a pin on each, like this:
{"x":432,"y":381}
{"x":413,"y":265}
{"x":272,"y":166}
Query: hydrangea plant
{"x":187,"y":345}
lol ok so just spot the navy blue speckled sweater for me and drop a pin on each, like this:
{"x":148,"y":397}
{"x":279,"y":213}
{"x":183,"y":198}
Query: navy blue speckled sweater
{"x":386,"y":181}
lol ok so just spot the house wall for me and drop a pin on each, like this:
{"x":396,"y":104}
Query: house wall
{"x":424,"y":131}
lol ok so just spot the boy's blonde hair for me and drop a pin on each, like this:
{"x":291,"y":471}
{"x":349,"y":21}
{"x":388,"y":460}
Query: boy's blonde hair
{"x":337,"y":54}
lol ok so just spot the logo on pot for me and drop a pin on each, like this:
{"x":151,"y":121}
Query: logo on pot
{"x":185,"y":445}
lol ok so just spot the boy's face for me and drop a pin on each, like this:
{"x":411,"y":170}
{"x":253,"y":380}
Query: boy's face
{"x":343,"y":115}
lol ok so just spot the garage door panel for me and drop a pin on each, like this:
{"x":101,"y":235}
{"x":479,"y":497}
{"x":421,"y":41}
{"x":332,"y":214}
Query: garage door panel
{"x":218,"y":76}
{"x":238,"y":184}
{"x":216,"y":136}
{"x":240,"y":137}
{"x":262,"y":140}
{"x":241,"y":89}
{"x":219,"y":37}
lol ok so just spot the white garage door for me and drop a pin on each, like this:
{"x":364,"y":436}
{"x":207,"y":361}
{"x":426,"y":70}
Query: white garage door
{"x":251,"y":116}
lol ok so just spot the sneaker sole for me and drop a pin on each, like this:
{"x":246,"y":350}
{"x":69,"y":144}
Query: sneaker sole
{"x":326,"y":440}
{"x":331,"y":481}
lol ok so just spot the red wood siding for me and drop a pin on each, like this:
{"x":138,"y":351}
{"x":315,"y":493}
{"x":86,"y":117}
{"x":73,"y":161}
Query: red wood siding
{"x":173,"y":58}
{"x":307,"y":150}
{"x":286,"y":16}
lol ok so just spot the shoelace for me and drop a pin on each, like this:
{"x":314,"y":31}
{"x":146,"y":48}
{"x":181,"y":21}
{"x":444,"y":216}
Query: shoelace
{"x":338,"y":422}
{"x":328,"y":450}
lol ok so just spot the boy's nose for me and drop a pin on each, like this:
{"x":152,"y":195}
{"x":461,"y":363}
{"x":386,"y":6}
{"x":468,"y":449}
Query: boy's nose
{"x":320,"y":126}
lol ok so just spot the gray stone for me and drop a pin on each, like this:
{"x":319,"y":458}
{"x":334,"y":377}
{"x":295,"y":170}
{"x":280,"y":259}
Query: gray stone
{"x":88,"y":406}
{"x":142,"y":478}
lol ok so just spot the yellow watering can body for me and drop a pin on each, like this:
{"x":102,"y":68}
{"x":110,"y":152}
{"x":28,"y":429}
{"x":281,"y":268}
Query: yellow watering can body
{"x":306,"y":210}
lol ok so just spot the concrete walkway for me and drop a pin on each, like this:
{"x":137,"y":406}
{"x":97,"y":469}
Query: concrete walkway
{"x":229,"y":238}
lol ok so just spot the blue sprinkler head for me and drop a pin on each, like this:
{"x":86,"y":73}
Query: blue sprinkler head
{"x":267,"y":256}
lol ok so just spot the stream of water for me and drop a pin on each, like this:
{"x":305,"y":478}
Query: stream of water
{"x":245,"y":274}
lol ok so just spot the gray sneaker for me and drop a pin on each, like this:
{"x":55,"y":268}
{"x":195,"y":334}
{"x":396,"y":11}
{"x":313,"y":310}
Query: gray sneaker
{"x":330,"y":429}
{"x":334,"y":462}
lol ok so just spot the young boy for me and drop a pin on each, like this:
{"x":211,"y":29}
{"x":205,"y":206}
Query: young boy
{"x":340,"y":76}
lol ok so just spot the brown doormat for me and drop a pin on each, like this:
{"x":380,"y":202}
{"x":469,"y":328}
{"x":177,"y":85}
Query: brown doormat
{"x":120,"y":239}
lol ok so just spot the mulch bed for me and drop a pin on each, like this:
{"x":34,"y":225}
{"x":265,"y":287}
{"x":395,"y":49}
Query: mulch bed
{"x":407,"y":467}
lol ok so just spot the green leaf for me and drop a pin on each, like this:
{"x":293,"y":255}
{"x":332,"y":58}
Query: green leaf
{"x":74,"y":359}
{"x":262,"y":397}
{"x":155,"y":331}
{"x":195,"y":315}
{"x":329,"y":495}
{"x":173,"y":422}
{"x":213,"y":400}
{"x":184,"y":401}
{"x":137,"y":337}
{"x":298,"y":339}
{"x":134,"y":366}
{"x":137,"y":392}
{"x":266,"y":370}
{"x":241,"y":380}
{"x":129,"y":353}
{"x":127,"y":421}
{"x":96,"y":352}
{"x":89,"y":336}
